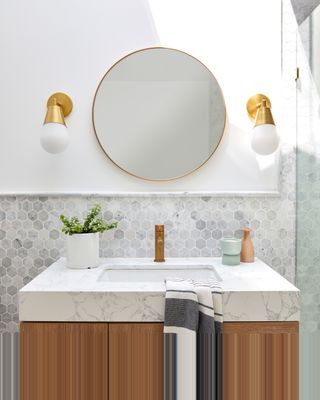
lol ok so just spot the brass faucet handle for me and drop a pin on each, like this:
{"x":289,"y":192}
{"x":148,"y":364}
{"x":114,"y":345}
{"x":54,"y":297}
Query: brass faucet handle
{"x":159,"y":243}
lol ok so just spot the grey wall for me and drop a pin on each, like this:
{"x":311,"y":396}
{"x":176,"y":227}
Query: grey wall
{"x":30,"y":237}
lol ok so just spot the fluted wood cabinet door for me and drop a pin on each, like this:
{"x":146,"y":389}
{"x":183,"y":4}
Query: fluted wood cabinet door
{"x":136,"y":361}
{"x":63,"y":361}
{"x":261,"y":361}
{"x":124,"y":361}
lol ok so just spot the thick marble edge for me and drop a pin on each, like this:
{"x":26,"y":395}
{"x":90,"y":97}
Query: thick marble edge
{"x":149,"y":307}
{"x":262,"y":193}
{"x":86,"y":300}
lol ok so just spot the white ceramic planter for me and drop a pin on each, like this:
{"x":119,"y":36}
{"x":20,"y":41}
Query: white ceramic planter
{"x":83,"y":250}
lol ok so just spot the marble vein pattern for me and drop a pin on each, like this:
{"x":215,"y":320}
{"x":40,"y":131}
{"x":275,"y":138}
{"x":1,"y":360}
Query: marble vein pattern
{"x":31,"y":238}
{"x":251,"y":292}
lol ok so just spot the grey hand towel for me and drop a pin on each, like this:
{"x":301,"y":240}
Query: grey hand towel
{"x":193,"y":330}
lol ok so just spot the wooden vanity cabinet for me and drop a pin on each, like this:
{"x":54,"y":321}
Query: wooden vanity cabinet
{"x":64,"y":361}
{"x":91,"y":361}
{"x":124,"y":361}
{"x":136,"y":361}
{"x":261,"y":361}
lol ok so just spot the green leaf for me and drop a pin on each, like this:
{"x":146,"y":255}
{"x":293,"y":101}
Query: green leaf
{"x":93,"y":223}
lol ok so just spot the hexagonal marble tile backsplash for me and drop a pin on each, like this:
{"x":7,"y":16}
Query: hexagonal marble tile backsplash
{"x":31,"y":238}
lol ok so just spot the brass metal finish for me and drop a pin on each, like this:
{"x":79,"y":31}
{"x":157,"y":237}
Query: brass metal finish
{"x":54,"y":115}
{"x":254,"y":103}
{"x":259,"y":109}
{"x":59,"y":106}
{"x":264,"y":115}
{"x":119,"y":166}
{"x":159,"y":243}
{"x":62,"y":100}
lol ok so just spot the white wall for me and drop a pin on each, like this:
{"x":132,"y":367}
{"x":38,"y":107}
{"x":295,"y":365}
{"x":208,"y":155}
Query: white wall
{"x":68,"y":45}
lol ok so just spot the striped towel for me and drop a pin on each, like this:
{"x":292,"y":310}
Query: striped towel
{"x":193,"y":340}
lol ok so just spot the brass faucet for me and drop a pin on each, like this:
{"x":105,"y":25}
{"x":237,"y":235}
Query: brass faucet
{"x":159,"y":243}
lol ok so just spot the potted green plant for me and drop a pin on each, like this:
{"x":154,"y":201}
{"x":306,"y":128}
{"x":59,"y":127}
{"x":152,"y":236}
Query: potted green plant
{"x":83,"y":238}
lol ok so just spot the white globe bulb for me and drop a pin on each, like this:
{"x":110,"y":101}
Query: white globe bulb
{"x":54,"y":138}
{"x":264,"y":139}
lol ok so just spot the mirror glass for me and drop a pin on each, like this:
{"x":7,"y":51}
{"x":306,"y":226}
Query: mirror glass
{"x":159,"y":114}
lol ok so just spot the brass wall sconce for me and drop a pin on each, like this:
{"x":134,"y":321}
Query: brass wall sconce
{"x":264,"y":139}
{"x":55,"y":137}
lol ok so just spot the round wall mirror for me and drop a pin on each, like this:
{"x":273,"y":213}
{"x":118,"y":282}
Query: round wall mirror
{"x":159,"y":114}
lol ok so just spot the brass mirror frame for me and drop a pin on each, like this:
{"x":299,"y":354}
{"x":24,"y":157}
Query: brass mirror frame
{"x":141,"y":177}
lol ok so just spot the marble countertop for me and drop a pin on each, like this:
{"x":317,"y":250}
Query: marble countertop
{"x":251,"y":292}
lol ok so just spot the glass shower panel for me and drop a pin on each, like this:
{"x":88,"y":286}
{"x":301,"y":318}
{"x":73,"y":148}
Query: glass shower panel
{"x":308,"y":203}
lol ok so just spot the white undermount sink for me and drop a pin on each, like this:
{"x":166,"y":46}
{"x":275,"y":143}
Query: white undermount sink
{"x":155,"y":272}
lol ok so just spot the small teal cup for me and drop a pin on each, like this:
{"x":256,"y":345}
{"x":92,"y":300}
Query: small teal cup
{"x":231,"y":248}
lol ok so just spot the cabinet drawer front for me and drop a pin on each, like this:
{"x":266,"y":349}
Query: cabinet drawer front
{"x":136,"y":361}
{"x":261,"y":361}
{"x":63,"y":361}
{"x":124,"y":361}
